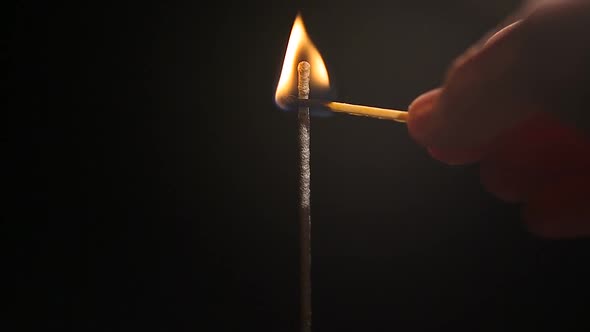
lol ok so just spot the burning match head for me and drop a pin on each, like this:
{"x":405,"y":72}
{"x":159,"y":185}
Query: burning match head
{"x":288,"y":102}
{"x":333,"y":106}
{"x":317,"y":106}
{"x":301,"y":54}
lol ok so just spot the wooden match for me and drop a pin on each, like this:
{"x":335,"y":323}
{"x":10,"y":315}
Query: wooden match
{"x":373,"y":112}
{"x":352,"y":109}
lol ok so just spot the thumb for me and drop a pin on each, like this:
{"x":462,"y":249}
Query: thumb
{"x":537,"y":64}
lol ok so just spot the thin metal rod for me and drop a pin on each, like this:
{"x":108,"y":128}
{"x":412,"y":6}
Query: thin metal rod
{"x":303,"y":70}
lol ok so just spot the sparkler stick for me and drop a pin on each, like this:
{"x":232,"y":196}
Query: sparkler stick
{"x":303,"y":70}
{"x":301,"y":47}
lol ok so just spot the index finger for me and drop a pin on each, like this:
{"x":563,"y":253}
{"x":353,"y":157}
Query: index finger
{"x":540,"y":63}
{"x":473,"y":104}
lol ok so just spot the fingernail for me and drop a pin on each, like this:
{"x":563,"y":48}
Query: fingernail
{"x":424,"y":100}
{"x":419,"y":120}
{"x":502,"y":32}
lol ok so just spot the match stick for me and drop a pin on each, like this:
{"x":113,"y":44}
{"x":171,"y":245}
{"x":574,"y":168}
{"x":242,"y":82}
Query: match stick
{"x":304,"y":70}
{"x":373,"y":112}
{"x":334,"y":106}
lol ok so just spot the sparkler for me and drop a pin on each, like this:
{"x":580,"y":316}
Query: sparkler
{"x":303,"y":71}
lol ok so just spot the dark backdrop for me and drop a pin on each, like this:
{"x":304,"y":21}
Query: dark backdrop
{"x":159,"y":179}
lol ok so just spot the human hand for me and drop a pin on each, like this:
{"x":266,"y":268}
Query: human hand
{"x":516,"y":103}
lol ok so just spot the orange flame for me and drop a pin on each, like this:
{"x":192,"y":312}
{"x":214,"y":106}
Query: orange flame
{"x":300,"y":48}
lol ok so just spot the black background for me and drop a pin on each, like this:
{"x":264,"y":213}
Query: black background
{"x":159,"y":178}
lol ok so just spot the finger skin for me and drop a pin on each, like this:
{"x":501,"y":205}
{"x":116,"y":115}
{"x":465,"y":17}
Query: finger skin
{"x":518,"y":105}
{"x":539,"y":63}
{"x":448,"y":156}
{"x":560,"y":210}
{"x":534,"y":154}
{"x":466,"y":112}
